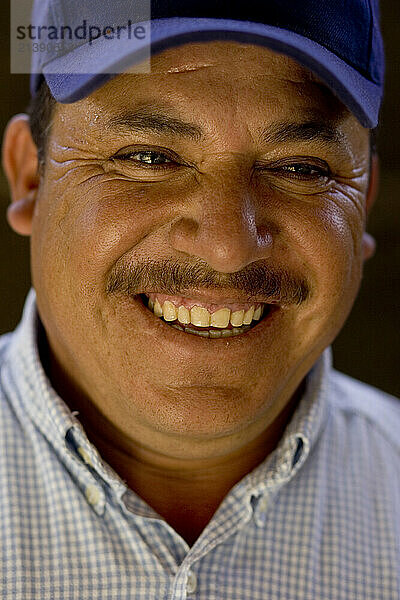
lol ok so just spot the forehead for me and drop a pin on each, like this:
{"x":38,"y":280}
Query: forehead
{"x":227,"y":56}
{"x":231,"y":74}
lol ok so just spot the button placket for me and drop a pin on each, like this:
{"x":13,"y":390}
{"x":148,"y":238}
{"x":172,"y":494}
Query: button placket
{"x":92,"y":490}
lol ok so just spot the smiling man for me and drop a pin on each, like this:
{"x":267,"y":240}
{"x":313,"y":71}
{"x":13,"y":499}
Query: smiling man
{"x":172,"y":424}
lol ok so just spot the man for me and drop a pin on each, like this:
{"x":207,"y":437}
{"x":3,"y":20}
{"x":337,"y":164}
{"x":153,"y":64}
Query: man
{"x":172,"y":425}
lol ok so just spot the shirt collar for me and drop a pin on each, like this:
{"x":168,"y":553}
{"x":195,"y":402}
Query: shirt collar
{"x":301,"y":433}
{"x":38,"y":400}
{"x":32,"y":390}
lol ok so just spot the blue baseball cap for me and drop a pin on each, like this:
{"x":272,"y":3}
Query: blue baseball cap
{"x":338,"y":40}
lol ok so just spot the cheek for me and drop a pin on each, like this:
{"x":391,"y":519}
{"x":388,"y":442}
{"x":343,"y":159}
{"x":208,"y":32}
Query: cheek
{"x":330,"y":240}
{"x":75,"y":243}
{"x":84,"y":237}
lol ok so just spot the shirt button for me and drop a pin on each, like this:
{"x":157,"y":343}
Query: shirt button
{"x":262,"y":511}
{"x":85,"y":456}
{"x":191,"y":583}
{"x":263,"y":504}
{"x":92,"y":494}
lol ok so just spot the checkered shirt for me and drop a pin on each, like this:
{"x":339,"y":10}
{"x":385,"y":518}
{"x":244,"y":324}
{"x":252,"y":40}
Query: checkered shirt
{"x":318,"y":519}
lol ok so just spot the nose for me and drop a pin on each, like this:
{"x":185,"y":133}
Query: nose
{"x":222,"y":226}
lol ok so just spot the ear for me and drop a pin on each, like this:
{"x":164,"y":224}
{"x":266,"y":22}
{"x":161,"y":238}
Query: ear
{"x":20,"y":163}
{"x":368,"y":242}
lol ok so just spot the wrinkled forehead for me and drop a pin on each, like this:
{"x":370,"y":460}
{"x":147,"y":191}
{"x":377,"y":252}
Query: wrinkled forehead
{"x":219,"y":69}
{"x":228,"y":56}
{"x":230,"y":90}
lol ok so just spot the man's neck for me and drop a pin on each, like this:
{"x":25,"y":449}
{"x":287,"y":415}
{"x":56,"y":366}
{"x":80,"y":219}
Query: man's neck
{"x":185,"y":492}
{"x":187,"y":497}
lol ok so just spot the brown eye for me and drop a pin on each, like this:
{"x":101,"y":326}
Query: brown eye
{"x":146,"y":157}
{"x":297,"y":174}
{"x":304,"y":170}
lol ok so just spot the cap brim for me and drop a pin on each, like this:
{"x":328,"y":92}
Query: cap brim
{"x":68,"y":83}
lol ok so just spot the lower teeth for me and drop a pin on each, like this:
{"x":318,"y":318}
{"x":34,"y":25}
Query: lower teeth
{"x":212,"y":333}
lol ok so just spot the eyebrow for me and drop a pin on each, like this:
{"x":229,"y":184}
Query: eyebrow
{"x":307,"y":131}
{"x":153,"y":118}
{"x":150,"y":118}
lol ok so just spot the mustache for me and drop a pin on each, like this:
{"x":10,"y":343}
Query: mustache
{"x":175,"y":279}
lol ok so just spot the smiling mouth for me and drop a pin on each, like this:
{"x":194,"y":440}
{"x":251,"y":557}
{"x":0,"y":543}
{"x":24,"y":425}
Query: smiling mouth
{"x":197,"y":320}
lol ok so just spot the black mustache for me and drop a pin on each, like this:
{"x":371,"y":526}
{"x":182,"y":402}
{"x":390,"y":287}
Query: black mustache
{"x":174,"y":278}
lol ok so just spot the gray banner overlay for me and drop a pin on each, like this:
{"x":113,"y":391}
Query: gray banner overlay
{"x":55,"y":39}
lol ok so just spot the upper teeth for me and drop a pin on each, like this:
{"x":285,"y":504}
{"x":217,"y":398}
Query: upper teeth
{"x":200,"y":316}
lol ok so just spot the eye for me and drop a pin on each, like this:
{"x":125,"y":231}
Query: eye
{"x":297,"y":174}
{"x":146,"y":158}
{"x":302,"y":170}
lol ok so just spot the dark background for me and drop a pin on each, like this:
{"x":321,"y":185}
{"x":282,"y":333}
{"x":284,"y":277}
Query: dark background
{"x":368,"y":346}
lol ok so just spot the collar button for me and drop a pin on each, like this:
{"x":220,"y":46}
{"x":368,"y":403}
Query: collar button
{"x":191,"y":583}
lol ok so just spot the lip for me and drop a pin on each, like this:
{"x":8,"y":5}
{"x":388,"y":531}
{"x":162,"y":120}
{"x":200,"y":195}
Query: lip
{"x":190,"y":302}
{"x":219,"y":299}
{"x":190,"y":342}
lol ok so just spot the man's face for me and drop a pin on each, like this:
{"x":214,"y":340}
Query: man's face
{"x":262,"y":200}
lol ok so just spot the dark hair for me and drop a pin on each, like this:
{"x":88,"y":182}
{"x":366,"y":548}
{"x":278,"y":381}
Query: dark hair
{"x":41,"y":110}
